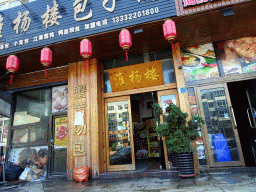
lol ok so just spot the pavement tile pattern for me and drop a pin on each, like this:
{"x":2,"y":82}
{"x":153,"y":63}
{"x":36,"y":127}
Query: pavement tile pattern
{"x":220,"y":181}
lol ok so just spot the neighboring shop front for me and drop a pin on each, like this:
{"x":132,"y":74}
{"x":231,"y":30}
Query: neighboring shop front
{"x":218,"y":55}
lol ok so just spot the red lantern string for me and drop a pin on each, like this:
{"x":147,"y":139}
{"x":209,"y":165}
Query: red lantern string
{"x":85,"y":64}
{"x":11,"y":79}
{"x":126,"y":56}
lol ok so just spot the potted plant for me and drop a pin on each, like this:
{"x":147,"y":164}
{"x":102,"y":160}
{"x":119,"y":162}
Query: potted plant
{"x":178,"y":133}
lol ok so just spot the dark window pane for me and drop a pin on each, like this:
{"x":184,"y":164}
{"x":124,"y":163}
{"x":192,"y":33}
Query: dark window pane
{"x":32,"y":107}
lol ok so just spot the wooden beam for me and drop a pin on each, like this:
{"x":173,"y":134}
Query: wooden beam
{"x":182,"y":93}
{"x":94,"y":110}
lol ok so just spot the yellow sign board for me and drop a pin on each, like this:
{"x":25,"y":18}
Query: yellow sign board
{"x":60,"y":140}
{"x":136,"y":76}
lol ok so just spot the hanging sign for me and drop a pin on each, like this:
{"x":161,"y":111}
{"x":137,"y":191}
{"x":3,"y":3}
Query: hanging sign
{"x":45,"y":22}
{"x":136,"y":76}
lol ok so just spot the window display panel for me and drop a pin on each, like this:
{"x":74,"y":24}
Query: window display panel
{"x":34,"y":159}
{"x":118,"y":134}
{"x":238,"y":55}
{"x":32,"y":107}
{"x":194,"y":112}
{"x":199,"y":62}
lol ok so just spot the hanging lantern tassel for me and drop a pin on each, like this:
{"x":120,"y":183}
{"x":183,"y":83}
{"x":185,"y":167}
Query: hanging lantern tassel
{"x":127,"y":56}
{"x":11,"y":79}
{"x":45,"y":73}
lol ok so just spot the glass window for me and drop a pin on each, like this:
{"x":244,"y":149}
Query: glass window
{"x":33,"y":107}
{"x":194,"y":112}
{"x":219,"y":127}
{"x":118,"y":137}
{"x":30,"y":134}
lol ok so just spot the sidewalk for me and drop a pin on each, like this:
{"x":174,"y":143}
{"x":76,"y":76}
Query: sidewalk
{"x":238,"y":179}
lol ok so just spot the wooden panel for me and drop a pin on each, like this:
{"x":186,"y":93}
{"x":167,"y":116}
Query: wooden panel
{"x":136,"y":76}
{"x":79,"y":150}
{"x":141,"y":90}
{"x":183,"y":96}
{"x":181,"y":10}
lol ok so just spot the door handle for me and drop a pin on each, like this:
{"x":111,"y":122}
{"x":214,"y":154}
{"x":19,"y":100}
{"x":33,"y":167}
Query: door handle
{"x":233,"y":117}
{"x":253,"y":112}
{"x":52,"y":142}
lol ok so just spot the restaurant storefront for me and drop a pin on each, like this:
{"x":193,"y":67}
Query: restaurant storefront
{"x":98,"y":113}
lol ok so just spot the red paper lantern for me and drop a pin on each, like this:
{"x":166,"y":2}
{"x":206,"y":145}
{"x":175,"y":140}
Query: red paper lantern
{"x":12,"y":65}
{"x":169,"y":29}
{"x":125,"y":41}
{"x":86,"y":50}
{"x":46,"y":58}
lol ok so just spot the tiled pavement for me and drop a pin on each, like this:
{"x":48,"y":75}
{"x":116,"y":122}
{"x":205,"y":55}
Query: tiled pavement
{"x":239,"y":179}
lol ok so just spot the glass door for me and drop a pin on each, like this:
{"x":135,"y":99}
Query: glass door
{"x":119,"y":134}
{"x":220,"y":133}
{"x":164,"y":99}
{"x":58,"y":145}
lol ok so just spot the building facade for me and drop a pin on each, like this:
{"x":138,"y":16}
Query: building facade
{"x":98,"y":112}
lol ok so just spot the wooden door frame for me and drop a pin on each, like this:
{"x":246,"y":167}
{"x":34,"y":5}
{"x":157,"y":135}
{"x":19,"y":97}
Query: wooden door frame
{"x":120,"y":167}
{"x":210,"y":160}
{"x":163,"y":93}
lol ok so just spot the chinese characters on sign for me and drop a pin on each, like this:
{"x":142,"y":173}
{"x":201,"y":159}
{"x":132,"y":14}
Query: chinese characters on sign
{"x":25,"y":22}
{"x":136,"y":76}
{"x":187,"y":3}
{"x":51,"y":15}
{"x":79,"y":149}
{"x":43,"y":22}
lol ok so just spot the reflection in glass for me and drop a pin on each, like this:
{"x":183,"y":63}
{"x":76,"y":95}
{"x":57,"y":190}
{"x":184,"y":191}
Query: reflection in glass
{"x":219,"y":126}
{"x":32,"y":107}
{"x":118,"y":133}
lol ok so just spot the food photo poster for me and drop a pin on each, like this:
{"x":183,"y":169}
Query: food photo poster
{"x":199,"y":62}
{"x":59,"y":98}
{"x":238,"y":55}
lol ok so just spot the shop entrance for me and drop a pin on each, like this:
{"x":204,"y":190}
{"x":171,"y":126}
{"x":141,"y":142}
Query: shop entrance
{"x":243,"y":98}
{"x":148,"y":147}
{"x":220,"y":131}
{"x":58,"y":145}
{"x":131,"y":139}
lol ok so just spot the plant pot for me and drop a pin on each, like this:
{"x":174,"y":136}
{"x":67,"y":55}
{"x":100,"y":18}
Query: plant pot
{"x":174,"y":160}
{"x":186,"y":164}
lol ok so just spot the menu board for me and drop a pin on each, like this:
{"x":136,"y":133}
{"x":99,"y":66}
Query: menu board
{"x":199,"y":62}
{"x":238,"y":55}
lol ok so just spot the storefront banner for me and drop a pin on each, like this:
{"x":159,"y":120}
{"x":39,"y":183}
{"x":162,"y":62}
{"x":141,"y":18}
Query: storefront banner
{"x":136,"y":76}
{"x":60,"y":140}
{"x":238,"y":55}
{"x":44,"y":22}
{"x":59,"y":98}
{"x":199,"y":62}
